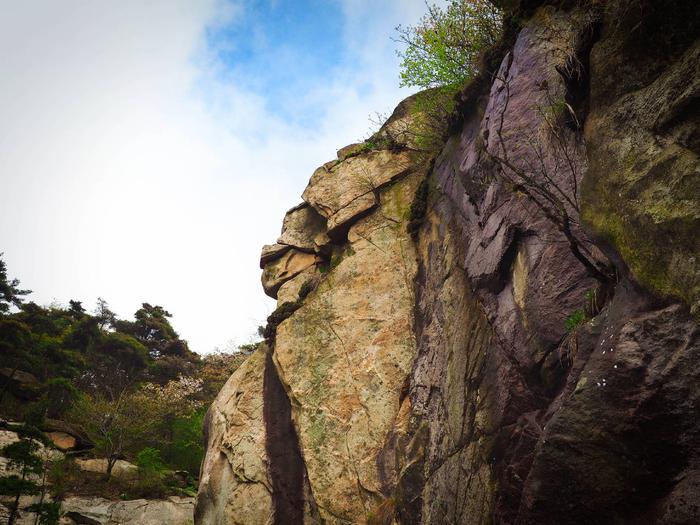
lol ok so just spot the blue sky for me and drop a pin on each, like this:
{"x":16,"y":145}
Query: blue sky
{"x":149,"y":149}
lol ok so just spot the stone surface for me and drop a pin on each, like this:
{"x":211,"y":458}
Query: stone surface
{"x":301,"y":226}
{"x":289,"y":291}
{"x":270,"y":252}
{"x":62,"y":440}
{"x":22,"y":385}
{"x":284,"y":268}
{"x":122,"y":469}
{"x":98,"y":511}
{"x":442,"y":379}
{"x":345,"y":355}
{"x":346,"y":191}
{"x":234,"y":487}
{"x":643,"y":189}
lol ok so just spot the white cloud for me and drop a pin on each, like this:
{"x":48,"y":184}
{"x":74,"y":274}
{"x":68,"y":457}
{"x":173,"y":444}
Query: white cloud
{"x":131,"y":170}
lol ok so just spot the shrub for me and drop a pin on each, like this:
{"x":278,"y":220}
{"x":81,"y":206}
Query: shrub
{"x":446,"y":46}
{"x":149,"y":460}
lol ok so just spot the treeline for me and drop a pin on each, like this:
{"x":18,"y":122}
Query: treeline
{"x":127,"y":389}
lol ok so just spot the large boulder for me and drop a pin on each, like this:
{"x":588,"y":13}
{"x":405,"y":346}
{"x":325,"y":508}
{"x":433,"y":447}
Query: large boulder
{"x":21,"y":384}
{"x":99,"y":511}
{"x":345,"y":355}
{"x":284,"y":268}
{"x":121,"y":470}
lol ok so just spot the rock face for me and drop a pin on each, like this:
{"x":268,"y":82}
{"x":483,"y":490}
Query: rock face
{"x":234,"y":486}
{"x":99,"y":511}
{"x":513,"y":360}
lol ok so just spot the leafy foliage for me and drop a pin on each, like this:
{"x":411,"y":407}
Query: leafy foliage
{"x":575,"y":319}
{"x":10,"y":293}
{"x":446,"y":46}
{"x":126,"y":385}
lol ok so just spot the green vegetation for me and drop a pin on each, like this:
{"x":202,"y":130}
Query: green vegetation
{"x":575,"y":319}
{"x":444,"y":54}
{"x":445,"y":48}
{"x":130,"y":389}
{"x":24,"y":461}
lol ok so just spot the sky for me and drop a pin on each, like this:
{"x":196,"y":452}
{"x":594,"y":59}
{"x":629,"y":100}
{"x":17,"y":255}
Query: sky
{"x":149,"y":148}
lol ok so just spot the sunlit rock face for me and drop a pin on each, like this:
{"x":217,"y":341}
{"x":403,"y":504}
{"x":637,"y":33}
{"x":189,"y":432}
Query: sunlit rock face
{"x":476,"y":372}
{"x":234,"y":486}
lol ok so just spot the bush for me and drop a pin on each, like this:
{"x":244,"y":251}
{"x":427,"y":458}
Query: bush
{"x":149,"y":460}
{"x":446,"y":46}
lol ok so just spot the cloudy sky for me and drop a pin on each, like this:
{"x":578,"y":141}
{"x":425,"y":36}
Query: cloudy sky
{"x":149,"y":148}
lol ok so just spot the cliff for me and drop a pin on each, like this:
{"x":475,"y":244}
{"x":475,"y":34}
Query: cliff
{"x":504,"y":331}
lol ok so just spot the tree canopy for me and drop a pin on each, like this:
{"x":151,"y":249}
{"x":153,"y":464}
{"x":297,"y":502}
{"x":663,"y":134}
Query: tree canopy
{"x":446,"y":46}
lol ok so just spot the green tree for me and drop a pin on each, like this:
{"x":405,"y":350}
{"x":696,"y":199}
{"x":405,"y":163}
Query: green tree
{"x":104,"y":316}
{"x":115,"y":425}
{"x":10,"y":292}
{"x":22,"y":456}
{"x":116,"y":362}
{"x":446,"y":46}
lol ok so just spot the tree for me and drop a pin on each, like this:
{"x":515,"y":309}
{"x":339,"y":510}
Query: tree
{"x":115,"y":425}
{"x":22,"y":455}
{"x":115,"y":363}
{"x":445,"y":47}
{"x":10,"y":293}
{"x":105,"y":317}
{"x":153,"y":329}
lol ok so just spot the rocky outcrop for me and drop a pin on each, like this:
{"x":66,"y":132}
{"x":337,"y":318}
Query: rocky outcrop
{"x":234,"y":485}
{"x":98,"y":511}
{"x":529,"y":355}
{"x":642,"y":192}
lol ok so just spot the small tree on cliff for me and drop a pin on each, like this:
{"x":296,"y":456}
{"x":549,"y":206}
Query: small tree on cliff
{"x":446,"y":46}
{"x":439,"y":55}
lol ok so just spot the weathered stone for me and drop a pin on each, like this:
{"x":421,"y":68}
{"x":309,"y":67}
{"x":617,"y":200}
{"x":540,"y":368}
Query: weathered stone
{"x":642,"y":192}
{"x":270,"y":252}
{"x":62,"y":440}
{"x":122,"y":469}
{"x":99,"y":511}
{"x":21,"y":384}
{"x":350,"y":150}
{"x":486,"y":373}
{"x":301,"y":226}
{"x":344,"y":357}
{"x":348,"y":190}
{"x":286,"y":267}
{"x":289,"y":291}
{"x":234,"y":486}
